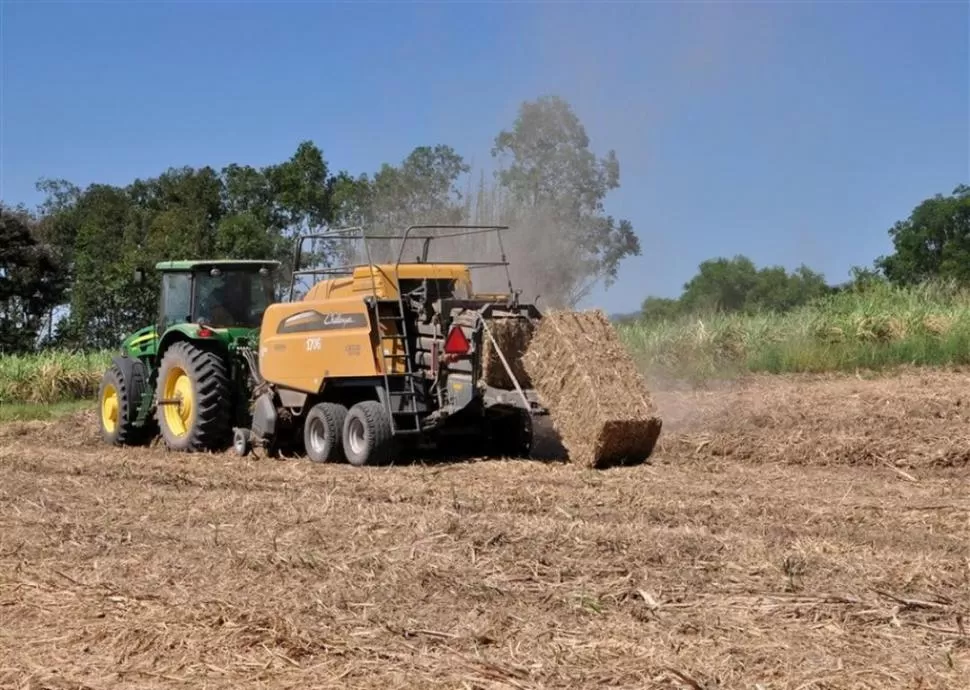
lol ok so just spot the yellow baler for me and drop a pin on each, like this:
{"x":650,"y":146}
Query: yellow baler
{"x":379,"y":356}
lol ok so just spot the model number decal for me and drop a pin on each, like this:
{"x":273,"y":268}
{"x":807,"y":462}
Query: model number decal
{"x":313,"y":344}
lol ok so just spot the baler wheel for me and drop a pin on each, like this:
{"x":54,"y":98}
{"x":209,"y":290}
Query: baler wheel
{"x":367,"y":437}
{"x":322,"y":432}
{"x":512,"y":435}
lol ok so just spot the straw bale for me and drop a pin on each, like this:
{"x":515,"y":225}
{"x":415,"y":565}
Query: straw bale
{"x":597,"y":399}
{"x":513,"y":336}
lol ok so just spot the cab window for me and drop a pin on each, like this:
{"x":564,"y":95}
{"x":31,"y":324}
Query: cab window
{"x":176,"y":298}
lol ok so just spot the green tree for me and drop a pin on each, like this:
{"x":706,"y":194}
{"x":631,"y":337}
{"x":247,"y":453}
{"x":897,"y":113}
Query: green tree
{"x":721,"y":285}
{"x":57,"y":225}
{"x":32,"y":281}
{"x":422,"y":189}
{"x":780,"y":291}
{"x":862,"y":278}
{"x":244,"y":236}
{"x":556,"y":187}
{"x":103,"y":300}
{"x":737,"y":285}
{"x":934,"y":242}
{"x":656,"y":309}
{"x":104,"y":232}
{"x":300,"y":191}
{"x":352,"y":199}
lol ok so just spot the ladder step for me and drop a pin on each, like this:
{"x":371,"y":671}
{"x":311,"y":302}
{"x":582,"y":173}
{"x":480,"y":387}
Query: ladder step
{"x":411,"y":378}
{"x":409,"y":392}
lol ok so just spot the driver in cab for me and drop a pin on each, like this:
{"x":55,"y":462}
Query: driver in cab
{"x":218,"y":307}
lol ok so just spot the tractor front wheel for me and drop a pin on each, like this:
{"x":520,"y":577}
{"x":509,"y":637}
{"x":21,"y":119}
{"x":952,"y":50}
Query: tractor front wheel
{"x":193,"y":399}
{"x":119,"y":395}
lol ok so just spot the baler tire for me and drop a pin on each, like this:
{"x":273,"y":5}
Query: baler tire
{"x":207,"y":379}
{"x":367,"y":437}
{"x":118,"y":399}
{"x":328,"y":418}
{"x":512,"y":436}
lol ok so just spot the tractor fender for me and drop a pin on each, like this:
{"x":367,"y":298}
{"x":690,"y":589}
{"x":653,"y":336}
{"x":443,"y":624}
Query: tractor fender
{"x":187,"y":334}
{"x":172,"y":336}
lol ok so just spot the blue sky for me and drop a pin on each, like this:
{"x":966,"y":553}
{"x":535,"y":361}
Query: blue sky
{"x":790,"y":132}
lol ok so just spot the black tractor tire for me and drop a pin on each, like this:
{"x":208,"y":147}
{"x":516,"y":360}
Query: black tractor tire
{"x":367,"y":437}
{"x":511,"y":435}
{"x":204,"y":424}
{"x":323,"y":432}
{"x":119,"y":395}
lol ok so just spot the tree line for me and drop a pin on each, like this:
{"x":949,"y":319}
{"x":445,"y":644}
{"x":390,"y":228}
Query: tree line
{"x":933,"y":243}
{"x":67,"y":267}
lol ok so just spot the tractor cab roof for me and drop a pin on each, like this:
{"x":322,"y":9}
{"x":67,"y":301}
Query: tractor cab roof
{"x":225,"y":264}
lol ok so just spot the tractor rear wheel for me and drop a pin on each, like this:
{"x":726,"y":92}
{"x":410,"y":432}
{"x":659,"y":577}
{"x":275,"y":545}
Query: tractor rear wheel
{"x":193,"y":399}
{"x":322,"y":432}
{"x":367,"y":437}
{"x":119,"y":394}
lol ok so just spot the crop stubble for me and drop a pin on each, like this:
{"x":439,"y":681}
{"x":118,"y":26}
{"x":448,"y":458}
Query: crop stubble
{"x":794,"y":533}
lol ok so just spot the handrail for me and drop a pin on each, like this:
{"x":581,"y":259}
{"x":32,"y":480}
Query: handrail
{"x":471,"y":230}
{"x":359,"y":233}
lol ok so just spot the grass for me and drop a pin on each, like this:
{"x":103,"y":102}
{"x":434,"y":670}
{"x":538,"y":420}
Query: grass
{"x":27,"y":412}
{"x":879,"y":328}
{"x":51,"y":376}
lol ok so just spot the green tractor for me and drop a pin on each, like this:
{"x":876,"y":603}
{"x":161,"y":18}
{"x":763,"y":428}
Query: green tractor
{"x":189,"y":376}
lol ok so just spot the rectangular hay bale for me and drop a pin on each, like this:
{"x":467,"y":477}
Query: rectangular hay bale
{"x":596,"y":396}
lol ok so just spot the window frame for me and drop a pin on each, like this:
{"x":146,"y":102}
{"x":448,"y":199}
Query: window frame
{"x":163,"y":324}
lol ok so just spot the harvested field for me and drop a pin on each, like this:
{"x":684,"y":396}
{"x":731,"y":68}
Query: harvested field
{"x":792,"y":533}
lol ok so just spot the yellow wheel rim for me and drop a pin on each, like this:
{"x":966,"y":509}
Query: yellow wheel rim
{"x":109,"y":408}
{"x":178,"y":386}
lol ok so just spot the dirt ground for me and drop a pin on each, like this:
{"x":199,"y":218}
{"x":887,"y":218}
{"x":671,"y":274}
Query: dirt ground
{"x":789,"y":533}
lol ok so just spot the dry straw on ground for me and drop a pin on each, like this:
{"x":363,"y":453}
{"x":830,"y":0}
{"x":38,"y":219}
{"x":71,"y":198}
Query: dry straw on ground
{"x":915,"y":419}
{"x":597,"y":398}
{"x":797,"y":562}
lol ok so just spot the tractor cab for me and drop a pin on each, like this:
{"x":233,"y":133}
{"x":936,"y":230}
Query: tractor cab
{"x":217,"y":294}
